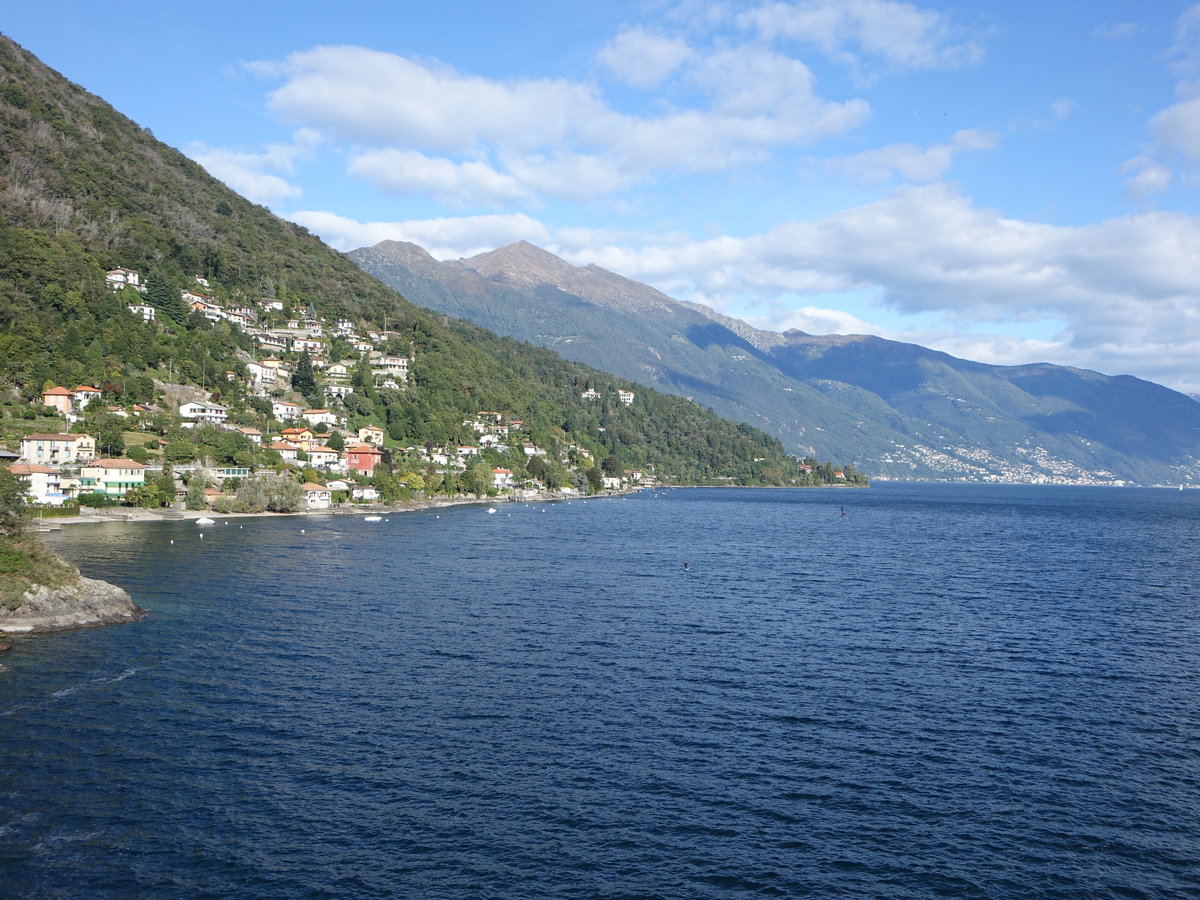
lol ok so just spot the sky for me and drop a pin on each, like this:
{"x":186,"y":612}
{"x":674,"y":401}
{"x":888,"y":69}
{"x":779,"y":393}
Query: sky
{"x":1008,"y":182}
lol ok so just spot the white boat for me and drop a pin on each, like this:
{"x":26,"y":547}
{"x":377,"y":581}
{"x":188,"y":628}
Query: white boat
{"x":491,"y":509}
{"x":205,"y":520}
{"x":372,"y":518}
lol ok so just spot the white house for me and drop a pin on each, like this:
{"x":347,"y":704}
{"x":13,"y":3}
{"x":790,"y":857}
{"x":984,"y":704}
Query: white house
{"x":59,"y":449}
{"x":119,"y":279}
{"x":317,"y":416}
{"x":395,"y":366}
{"x":285,"y":450}
{"x":338,"y":391}
{"x":148,"y":313}
{"x":364,"y":493}
{"x":203,"y":412}
{"x":502,"y":478}
{"x":285,"y":409}
{"x":371,"y":434}
{"x":260,"y":374}
{"x":317,"y":496}
{"x":324,"y":457}
{"x":85,"y":394}
{"x":312,"y":345}
{"x":111,"y":476}
{"x":271,"y":341}
{"x":626,"y":397}
{"x":42,"y":483}
{"x":253,"y":435}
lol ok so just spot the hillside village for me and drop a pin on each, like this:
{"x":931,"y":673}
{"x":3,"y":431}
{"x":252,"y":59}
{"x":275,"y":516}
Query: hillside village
{"x":201,"y":453}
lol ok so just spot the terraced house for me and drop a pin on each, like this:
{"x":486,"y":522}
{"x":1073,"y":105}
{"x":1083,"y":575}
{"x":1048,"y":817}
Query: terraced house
{"x":112,"y":477}
{"x":58,"y":449}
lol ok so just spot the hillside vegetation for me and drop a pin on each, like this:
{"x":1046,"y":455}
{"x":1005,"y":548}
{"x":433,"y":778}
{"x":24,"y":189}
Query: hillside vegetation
{"x":84,"y":190}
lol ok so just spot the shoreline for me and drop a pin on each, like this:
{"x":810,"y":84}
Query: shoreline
{"x":135,"y":514}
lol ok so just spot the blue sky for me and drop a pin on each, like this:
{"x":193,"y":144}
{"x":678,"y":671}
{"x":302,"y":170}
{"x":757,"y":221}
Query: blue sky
{"x":1008,"y":182}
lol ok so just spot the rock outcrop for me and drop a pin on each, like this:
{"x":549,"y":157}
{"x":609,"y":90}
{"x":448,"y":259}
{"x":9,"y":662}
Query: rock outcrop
{"x":84,"y":603}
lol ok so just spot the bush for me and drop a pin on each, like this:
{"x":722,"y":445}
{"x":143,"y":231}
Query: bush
{"x":97,"y":500}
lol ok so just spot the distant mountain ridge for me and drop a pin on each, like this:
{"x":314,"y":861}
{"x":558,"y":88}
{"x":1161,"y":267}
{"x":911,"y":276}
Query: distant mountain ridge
{"x":892,"y":409}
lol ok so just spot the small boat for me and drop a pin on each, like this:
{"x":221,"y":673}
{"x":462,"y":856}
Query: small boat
{"x":491,"y":509}
{"x":372,"y":518}
{"x":205,"y":520}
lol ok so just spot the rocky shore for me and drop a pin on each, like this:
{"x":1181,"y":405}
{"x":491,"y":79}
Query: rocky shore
{"x":85,"y":603}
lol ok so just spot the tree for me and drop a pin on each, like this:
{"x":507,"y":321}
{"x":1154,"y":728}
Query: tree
{"x":595,"y":479}
{"x":196,"y":498}
{"x":180,"y":451}
{"x":303,"y":379}
{"x":162,"y":295}
{"x":14,"y":510}
{"x":109,"y":432}
{"x":336,"y":441}
{"x":284,"y":495}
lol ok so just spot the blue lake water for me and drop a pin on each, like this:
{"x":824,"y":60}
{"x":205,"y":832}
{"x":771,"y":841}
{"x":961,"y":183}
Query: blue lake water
{"x":957,"y":691}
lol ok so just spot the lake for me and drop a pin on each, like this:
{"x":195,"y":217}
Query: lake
{"x":908,"y":691}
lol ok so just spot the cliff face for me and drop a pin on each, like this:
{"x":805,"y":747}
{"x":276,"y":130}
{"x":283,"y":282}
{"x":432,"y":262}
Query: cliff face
{"x":84,"y":603}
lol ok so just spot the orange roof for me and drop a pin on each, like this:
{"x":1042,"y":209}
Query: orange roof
{"x":84,"y":387}
{"x":57,"y":391}
{"x":53,"y":437}
{"x":31,"y":469}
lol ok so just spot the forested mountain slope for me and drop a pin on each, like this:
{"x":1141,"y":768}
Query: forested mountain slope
{"x":83,"y":190}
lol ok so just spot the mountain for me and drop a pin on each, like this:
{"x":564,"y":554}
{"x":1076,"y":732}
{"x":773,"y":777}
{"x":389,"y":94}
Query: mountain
{"x":893,"y":409}
{"x":84,"y":190}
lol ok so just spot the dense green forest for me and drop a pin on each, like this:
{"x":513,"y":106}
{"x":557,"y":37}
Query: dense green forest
{"x":84,"y":190}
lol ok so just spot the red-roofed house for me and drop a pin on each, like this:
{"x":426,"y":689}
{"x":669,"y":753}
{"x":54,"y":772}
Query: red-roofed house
{"x":363,"y":458}
{"x":60,"y":449}
{"x":111,"y":476}
{"x":59,"y":398}
{"x":43,"y":483}
{"x":85,"y":394}
{"x":317,"y":496}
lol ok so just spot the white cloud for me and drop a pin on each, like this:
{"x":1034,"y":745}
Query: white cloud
{"x":859,"y":32}
{"x":642,"y":59}
{"x":371,"y":96}
{"x":1063,"y":107}
{"x":1116,"y":30}
{"x":1119,"y":294}
{"x":444,"y":238}
{"x":256,"y":175}
{"x":427,"y":127}
{"x":1146,"y":177}
{"x":910,"y":162}
{"x":410,"y":172}
{"x":1178,"y":127}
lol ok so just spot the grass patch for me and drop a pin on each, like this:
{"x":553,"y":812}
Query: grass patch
{"x":25,"y":562}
